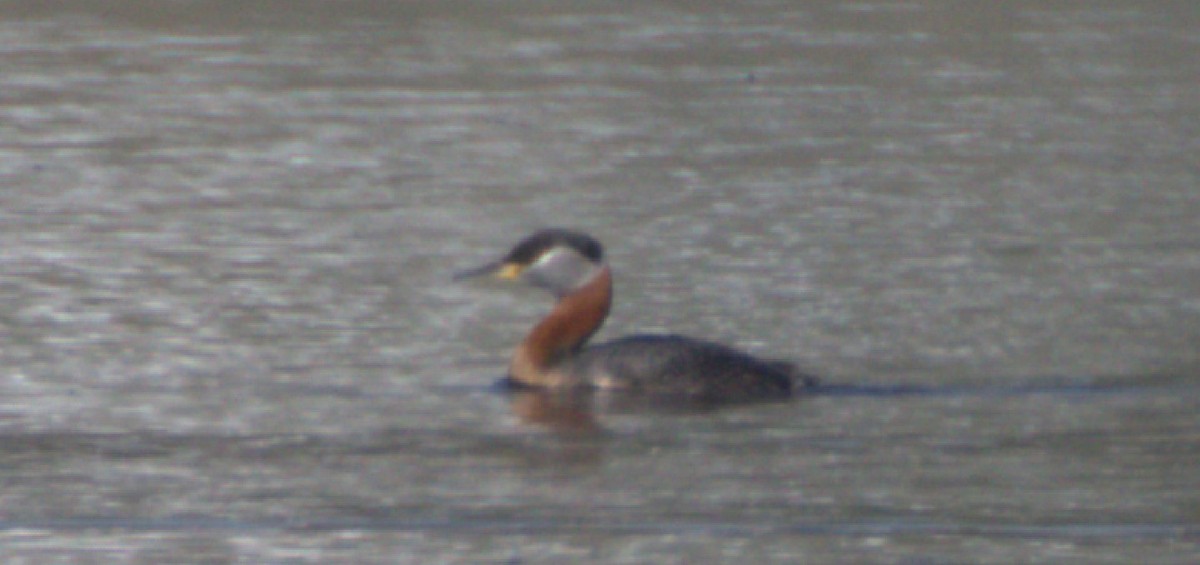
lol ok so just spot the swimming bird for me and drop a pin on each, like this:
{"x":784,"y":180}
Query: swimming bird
{"x":555,"y":355}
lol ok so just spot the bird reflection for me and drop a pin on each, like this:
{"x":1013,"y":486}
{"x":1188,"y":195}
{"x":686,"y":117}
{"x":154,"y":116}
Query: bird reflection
{"x":555,"y":410}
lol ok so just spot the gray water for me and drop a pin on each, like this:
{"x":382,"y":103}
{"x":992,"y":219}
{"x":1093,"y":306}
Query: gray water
{"x":227,"y":331}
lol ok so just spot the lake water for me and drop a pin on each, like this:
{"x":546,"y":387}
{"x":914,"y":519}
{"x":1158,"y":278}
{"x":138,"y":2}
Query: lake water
{"x":228,"y":333}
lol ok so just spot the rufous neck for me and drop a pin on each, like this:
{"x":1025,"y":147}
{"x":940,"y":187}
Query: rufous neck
{"x":564,"y":330}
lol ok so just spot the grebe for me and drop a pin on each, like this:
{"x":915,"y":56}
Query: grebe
{"x":552,"y":356}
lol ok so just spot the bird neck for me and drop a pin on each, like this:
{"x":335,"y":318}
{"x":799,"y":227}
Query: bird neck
{"x":564,"y":330}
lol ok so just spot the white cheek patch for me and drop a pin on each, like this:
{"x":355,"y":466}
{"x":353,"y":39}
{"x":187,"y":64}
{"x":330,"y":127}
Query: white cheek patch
{"x":554,"y":256}
{"x":561,"y":269}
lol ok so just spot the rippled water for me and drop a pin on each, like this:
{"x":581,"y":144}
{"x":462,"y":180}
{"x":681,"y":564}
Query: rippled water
{"x":228,"y":332}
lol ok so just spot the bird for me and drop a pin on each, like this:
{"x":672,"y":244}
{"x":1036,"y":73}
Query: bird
{"x":555,"y":354}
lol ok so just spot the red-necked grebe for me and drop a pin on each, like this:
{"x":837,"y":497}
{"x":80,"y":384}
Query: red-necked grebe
{"x":571,"y":265}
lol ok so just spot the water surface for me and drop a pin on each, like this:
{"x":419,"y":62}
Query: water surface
{"x":227,"y":330}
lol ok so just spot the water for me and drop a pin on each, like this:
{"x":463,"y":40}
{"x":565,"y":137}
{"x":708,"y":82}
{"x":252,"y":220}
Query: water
{"x":229,"y":335}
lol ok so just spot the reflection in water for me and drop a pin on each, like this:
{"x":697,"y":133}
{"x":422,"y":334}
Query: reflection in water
{"x":585,"y":411}
{"x":563,"y":411}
